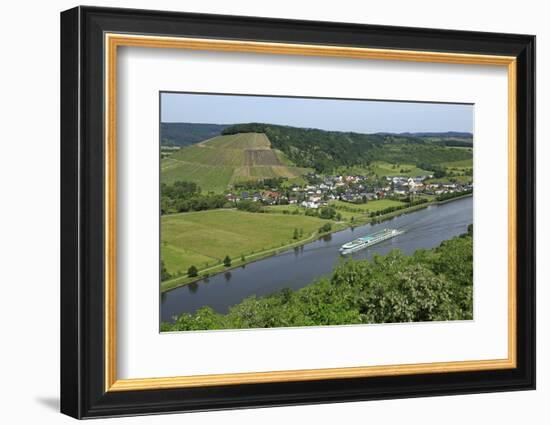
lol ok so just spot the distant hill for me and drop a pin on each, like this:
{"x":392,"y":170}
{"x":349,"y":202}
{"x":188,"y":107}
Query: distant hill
{"x":218,"y":162}
{"x":326,"y":150}
{"x":185,"y":134}
{"x":449,"y":138}
{"x":445,"y":134}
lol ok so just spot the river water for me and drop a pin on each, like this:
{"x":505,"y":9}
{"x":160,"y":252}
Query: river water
{"x":298,"y":267}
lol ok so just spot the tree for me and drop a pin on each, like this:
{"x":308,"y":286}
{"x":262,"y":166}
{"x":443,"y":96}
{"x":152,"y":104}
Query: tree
{"x":227,"y":261}
{"x":164,"y":275}
{"x":325,"y":228}
{"x":310,"y":212}
{"x":243,"y":258}
{"x":192,"y":271}
{"x":295,"y":234}
{"x":327,"y":213}
{"x":250,"y":206}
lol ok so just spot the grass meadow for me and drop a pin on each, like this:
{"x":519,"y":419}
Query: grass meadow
{"x":371,"y":206}
{"x":204,"y":238}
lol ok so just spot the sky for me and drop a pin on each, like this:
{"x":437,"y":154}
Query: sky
{"x":362,"y":116}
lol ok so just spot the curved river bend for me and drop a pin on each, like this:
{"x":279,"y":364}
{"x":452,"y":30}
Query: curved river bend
{"x":298,"y":267}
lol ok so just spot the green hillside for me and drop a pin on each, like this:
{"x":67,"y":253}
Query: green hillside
{"x":327,"y":150}
{"x":185,"y":134}
{"x":216,"y":163}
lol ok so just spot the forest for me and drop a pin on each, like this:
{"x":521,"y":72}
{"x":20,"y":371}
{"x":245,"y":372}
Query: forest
{"x":325,"y":150}
{"x":186,"y":134}
{"x":182,"y":196}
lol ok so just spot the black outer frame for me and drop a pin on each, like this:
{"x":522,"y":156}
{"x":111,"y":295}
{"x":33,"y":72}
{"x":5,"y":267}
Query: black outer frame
{"x":82,"y":219}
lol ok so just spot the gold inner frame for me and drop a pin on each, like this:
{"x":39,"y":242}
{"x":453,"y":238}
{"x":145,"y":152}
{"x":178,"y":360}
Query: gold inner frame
{"x":113,"y":41}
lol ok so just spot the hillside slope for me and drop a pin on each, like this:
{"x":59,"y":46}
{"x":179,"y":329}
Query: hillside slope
{"x":217,"y":163}
{"x":326,"y":150}
{"x":185,"y":134}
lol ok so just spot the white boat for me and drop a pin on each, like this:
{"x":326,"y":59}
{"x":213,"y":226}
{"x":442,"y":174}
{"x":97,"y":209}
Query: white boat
{"x":369,"y":240}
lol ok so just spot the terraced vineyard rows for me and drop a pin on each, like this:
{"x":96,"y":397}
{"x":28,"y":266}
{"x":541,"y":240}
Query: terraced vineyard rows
{"x":221,"y":161}
{"x":261,"y":157}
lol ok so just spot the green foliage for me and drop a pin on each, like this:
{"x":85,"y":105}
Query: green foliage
{"x":185,"y":134}
{"x":328,"y":213}
{"x":327,"y":227}
{"x":296,"y":234}
{"x":430,"y":285}
{"x":164,"y":275}
{"x":250,"y":206}
{"x":227,"y":261}
{"x":460,"y":143}
{"x":452,"y":195}
{"x":183,"y":196}
{"x":261,"y":184}
{"x":310,"y":212}
{"x":326,"y":150}
{"x":437,"y":170}
{"x":192,"y":271}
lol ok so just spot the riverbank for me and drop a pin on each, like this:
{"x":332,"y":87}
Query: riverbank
{"x":300,"y":267}
{"x":353,"y":288}
{"x":206,"y":273}
{"x":446,"y":201}
{"x":179,"y":281}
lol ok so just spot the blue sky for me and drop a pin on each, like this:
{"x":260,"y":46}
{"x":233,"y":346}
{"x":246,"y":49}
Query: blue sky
{"x":329,"y":114}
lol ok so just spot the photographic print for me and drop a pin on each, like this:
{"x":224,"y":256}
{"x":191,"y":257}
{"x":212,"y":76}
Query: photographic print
{"x":319,"y":196}
{"x":291,"y":211}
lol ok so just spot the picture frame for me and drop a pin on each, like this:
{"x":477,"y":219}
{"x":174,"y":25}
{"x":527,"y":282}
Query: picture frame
{"x":90,"y":40}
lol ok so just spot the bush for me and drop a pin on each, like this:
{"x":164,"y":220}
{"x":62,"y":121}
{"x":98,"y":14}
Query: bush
{"x":192,"y":271}
{"x":250,"y":206}
{"x":310,"y":212}
{"x":327,"y":213}
{"x":449,"y":195}
{"x":164,"y":275}
{"x":325,"y":228}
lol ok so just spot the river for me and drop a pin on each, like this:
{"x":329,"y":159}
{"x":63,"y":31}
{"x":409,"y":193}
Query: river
{"x":298,"y":267}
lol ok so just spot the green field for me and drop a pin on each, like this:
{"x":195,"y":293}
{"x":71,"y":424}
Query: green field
{"x":283,"y":158}
{"x":383,"y":169}
{"x":371,"y":206}
{"x":465,"y":164}
{"x":204,"y":238}
{"x":289,"y":208}
{"x":221,"y":161}
{"x":346,"y":209}
{"x":238,"y":141}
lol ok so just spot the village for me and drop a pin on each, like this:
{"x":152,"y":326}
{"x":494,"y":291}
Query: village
{"x":355,"y":189}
